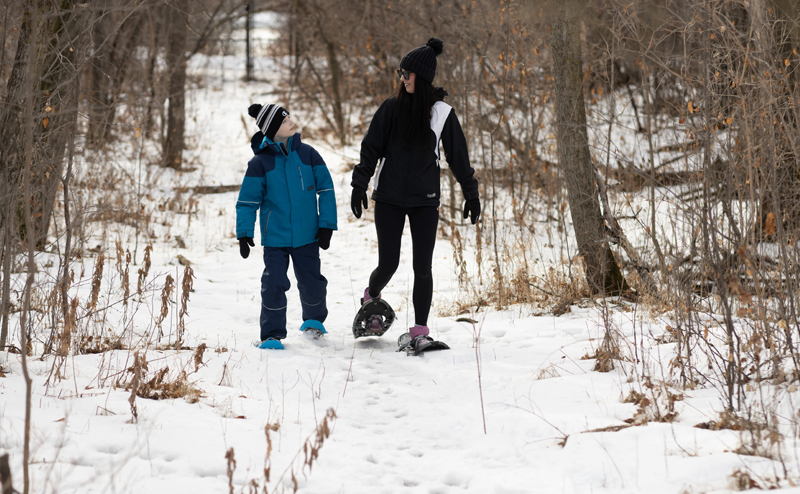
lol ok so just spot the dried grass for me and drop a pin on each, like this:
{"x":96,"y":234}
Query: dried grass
{"x":158,"y":385}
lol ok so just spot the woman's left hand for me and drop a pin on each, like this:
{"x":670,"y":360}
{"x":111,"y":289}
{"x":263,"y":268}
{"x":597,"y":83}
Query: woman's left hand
{"x":472,"y":208}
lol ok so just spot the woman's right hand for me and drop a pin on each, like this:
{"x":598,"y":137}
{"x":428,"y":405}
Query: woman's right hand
{"x":358,"y":197}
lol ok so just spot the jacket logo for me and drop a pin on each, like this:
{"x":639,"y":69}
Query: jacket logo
{"x":430,"y":196}
{"x":310,"y":187}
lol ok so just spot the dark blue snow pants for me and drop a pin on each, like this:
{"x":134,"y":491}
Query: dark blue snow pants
{"x":274,"y":284}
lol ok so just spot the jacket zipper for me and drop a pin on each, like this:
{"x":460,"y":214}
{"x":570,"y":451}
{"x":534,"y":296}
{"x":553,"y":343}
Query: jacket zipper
{"x":302,"y":184}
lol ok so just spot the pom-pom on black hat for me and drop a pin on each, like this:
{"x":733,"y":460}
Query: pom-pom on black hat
{"x":268,"y":118}
{"x":422,"y":60}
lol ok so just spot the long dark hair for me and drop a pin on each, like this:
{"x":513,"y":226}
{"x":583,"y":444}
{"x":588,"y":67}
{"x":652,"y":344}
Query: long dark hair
{"x":412,"y":113}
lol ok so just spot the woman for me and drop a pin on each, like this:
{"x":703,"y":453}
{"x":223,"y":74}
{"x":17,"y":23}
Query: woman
{"x":402,"y":143}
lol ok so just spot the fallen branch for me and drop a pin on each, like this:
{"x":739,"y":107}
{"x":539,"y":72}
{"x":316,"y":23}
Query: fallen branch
{"x":209,"y":189}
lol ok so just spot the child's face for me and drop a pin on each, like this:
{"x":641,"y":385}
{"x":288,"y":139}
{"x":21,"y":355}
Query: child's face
{"x":287,"y":129}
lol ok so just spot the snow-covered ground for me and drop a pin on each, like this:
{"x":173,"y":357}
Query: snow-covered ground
{"x":513,"y":407}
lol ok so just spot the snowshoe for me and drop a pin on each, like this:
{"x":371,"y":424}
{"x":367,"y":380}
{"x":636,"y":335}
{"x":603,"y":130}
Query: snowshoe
{"x":420,"y":344}
{"x":374,"y":318}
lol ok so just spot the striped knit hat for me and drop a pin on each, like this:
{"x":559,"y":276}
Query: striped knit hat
{"x":422,"y":60}
{"x":268,"y":118}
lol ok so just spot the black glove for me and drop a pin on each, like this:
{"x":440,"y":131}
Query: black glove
{"x":324,"y":237}
{"x":244,"y":250}
{"x":358,"y":198}
{"x":472,"y":208}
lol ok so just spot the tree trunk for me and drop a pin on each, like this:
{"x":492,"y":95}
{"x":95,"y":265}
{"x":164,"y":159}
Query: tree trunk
{"x":99,"y":97}
{"x":47,"y":49}
{"x":336,"y":94}
{"x":5,"y":305}
{"x":774,"y":24}
{"x":602,"y":273}
{"x":176,"y":63}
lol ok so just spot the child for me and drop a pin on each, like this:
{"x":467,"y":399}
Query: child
{"x":282,"y":183}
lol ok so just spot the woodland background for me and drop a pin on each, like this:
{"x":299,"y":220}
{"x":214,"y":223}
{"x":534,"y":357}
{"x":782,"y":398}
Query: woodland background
{"x":654,"y":142}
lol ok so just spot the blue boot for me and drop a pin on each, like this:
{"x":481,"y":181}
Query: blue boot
{"x":313,"y":328}
{"x":271,"y":344}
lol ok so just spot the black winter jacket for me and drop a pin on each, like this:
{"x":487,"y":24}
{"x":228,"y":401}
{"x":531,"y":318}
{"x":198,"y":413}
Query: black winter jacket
{"x":410,"y":177}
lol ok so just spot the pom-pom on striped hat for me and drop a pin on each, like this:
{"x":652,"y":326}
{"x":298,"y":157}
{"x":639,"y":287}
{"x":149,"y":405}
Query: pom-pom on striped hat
{"x":268,"y":118}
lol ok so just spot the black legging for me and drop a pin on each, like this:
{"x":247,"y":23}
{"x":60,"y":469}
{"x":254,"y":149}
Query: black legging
{"x":389,"y":223}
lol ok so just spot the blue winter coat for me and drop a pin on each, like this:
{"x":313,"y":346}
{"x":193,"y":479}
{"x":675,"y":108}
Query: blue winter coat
{"x":283,"y":187}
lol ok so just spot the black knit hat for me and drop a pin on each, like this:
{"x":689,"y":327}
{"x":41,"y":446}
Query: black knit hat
{"x":268,"y":118}
{"x":422,"y":60}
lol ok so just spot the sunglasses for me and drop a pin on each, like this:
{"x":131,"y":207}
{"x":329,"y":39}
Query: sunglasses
{"x":401,"y":73}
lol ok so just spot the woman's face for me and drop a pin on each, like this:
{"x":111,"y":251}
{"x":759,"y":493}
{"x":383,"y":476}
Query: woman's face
{"x":286,"y":130}
{"x":409,"y":82}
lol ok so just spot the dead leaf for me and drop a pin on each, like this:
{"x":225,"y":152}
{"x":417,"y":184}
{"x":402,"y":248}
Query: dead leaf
{"x":769,"y":226}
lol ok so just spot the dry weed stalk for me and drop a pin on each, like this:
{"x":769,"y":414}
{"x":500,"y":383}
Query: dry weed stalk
{"x":187,"y":284}
{"x":476,"y":343}
{"x":231,"y":467}
{"x":166,"y":293}
{"x":458,"y":254}
{"x":97,"y":280}
{"x":311,"y":448}
{"x":70,"y":326}
{"x":479,"y":249}
{"x":123,"y":268}
{"x":145,"y":269}
{"x":139,"y":364}
{"x":268,"y":457}
{"x":126,"y":284}
{"x":609,"y":350}
{"x":120,"y":252}
{"x":198,"y":356}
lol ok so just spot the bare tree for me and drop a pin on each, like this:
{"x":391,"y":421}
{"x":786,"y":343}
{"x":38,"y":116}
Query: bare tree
{"x":176,"y":65}
{"x":116,"y":32}
{"x":602,"y":272}
{"x":56,"y":39}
